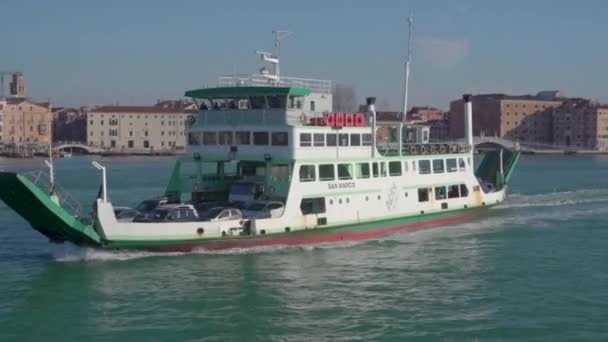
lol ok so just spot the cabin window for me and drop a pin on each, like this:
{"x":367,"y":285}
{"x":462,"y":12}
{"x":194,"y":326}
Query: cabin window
{"x":382,"y":169}
{"x":257,"y":102}
{"x":209,"y":138}
{"x":279,"y":138}
{"x":312,"y":206}
{"x":451,"y":165}
{"x":327,"y":172}
{"x":319,"y":139}
{"x":355,"y":139}
{"x":423,"y":195}
{"x":440,"y":193}
{"x":453,"y":191}
{"x":345,"y":171}
{"x":225,"y":138}
{"x":414,"y":165}
{"x":305,"y":140}
{"x":307,"y":173}
{"x":438,"y":166}
{"x":242,"y":138}
{"x":312,"y":106}
{"x":461,"y":164}
{"x":405,"y":166}
{"x":424,"y":167}
{"x":277,"y":102}
{"x":362,"y":170}
{"x":295,"y":102}
{"x":194,"y":138}
{"x":375,"y":170}
{"x":366,"y":139}
{"x":464,"y":191}
{"x":331,"y":140}
{"x":394,"y":168}
{"x":343,"y":139}
{"x":260,"y":138}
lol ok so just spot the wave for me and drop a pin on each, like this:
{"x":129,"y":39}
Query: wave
{"x":559,"y":198}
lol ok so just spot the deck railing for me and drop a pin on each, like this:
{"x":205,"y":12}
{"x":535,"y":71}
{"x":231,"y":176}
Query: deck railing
{"x":392,"y":149}
{"x":315,"y":86}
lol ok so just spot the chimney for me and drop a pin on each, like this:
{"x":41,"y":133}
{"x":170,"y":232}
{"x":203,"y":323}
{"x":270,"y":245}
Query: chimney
{"x":468,"y":119}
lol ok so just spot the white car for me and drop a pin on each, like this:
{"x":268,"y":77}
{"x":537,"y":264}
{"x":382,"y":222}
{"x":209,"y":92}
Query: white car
{"x":257,"y":210}
{"x":221,"y":214}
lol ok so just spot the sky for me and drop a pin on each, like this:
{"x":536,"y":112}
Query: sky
{"x":135,"y":52}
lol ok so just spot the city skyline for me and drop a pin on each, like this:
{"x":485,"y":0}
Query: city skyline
{"x":100,"y":53}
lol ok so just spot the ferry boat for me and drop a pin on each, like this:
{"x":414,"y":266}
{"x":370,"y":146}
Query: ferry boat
{"x":269,"y":163}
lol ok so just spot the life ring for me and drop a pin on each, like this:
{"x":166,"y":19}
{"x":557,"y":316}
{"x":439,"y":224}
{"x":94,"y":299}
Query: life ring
{"x":339,"y":119}
{"x":331,"y":119}
{"x":433,"y":149}
{"x":422,"y":149}
{"x":453,"y":148}
{"x":442,"y":149}
{"x":349,"y":119}
{"x":413,"y":150}
{"x":359,"y":120}
{"x":460,"y":148}
{"x":303,"y":119}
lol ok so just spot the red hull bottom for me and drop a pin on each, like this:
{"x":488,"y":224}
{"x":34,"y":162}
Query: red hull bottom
{"x":344,"y":236}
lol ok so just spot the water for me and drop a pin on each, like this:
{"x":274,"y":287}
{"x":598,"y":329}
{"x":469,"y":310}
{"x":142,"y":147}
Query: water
{"x":533,"y":269}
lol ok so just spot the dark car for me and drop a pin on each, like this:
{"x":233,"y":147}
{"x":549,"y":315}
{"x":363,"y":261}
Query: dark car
{"x":171,"y":213}
{"x":151,"y":204}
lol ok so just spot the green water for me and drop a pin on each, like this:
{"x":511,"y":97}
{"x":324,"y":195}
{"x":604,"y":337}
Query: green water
{"x":534,"y":269}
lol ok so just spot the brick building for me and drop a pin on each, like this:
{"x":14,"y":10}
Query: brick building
{"x":581,"y":123}
{"x":527,"y":118}
{"x":26,"y":122}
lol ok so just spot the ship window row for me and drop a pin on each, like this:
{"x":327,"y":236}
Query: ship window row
{"x":261,"y":138}
{"x":443,"y":192}
{"x":333,"y":139}
{"x":254,"y":102}
{"x":347,"y":171}
{"x":435,"y":166}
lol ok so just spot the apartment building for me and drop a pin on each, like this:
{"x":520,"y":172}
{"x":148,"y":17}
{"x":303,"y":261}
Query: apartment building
{"x":581,"y":123}
{"x":138,"y":128}
{"x":526,"y":118}
{"x":26,"y":122}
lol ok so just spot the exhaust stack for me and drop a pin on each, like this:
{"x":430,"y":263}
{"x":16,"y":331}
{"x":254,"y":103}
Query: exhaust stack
{"x":468,"y":120}
{"x":371,"y":110}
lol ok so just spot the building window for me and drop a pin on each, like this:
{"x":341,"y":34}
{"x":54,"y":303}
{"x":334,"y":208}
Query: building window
{"x":260,"y":138}
{"x":319,"y":139}
{"x":307,"y":173}
{"x":424,"y":167}
{"x":362,"y":170}
{"x":146,"y":144}
{"x":331,"y":139}
{"x":279,"y":138}
{"x":438,"y":166}
{"x":345,"y":171}
{"x":305,"y":140}
{"x":394,"y":168}
{"x":326,"y":172}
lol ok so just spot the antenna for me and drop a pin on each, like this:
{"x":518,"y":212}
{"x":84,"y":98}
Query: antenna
{"x":278,"y":35}
{"x":410,"y":23}
{"x":50,"y":165}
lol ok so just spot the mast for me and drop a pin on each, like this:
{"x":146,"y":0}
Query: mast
{"x":410,"y":23}
{"x":278,"y":35}
{"x":49,"y":163}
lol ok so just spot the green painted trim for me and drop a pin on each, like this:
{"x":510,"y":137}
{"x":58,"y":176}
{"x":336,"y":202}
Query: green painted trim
{"x":206,"y":93}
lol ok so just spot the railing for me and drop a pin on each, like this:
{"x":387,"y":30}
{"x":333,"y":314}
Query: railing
{"x":392,"y":149}
{"x":315,"y":86}
{"x":42,"y":180}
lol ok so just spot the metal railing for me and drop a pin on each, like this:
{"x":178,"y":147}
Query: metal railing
{"x":392,"y":149}
{"x":315,"y":86}
{"x":42,"y":180}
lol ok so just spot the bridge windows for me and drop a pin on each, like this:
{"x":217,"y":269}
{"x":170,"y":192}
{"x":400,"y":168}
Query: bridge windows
{"x":423,"y":194}
{"x":394,"y":168}
{"x":279,"y":138}
{"x":225,"y":138}
{"x":345,"y":171}
{"x":438,"y":166}
{"x":332,"y":139}
{"x":355,"y":139}
{"x":424,"y":167}
{"x":362,"y":170}
{"x":307,"y":173}
{"x":209,"y":138}
{"x":464,"y":191}
{"x":194,"y":138}
{"x":327,"y":172}
{"x":260,"y":138}
{"x":319,"y":139}
{"x":242,"y":138}
{"x":451,"y":165}
{"x":366,"y":139}
{"x":461,"y":164}
{"x":305,"y":140}
{"x":440,"y":193}
{"x":343,"y":139}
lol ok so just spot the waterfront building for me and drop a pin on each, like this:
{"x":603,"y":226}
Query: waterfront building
{"x":2,"y":105}
{"x":526,"y":118}
{"x":581,"y":123}
{"x":138,"y":128}
{"x":424,"y":114}
{"x":26,"y":122}
{"x":69,"y":124}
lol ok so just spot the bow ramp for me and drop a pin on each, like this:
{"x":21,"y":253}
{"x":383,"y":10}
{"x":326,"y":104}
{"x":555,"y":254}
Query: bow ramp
{"x":46,"y":214}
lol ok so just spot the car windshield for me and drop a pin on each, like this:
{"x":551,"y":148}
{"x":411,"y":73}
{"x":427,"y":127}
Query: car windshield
{"x":146,"y":205}
{"x":161,"y":214}
{"x":213,"y":213}
{"x":127,"y":214}
{"x":256,"y":206}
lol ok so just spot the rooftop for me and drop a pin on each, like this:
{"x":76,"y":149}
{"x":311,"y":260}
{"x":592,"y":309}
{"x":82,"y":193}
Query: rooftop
{"x":220,"y":92}
{"x":137,"y":109}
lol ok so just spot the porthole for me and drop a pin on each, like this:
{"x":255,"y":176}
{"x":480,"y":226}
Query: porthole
{"x":421,"y":212}
{"x":287,"y":229}
{"x":200,"y":231}
{"x":331,"y":202}
{"x":263,"y":232}
{"x":340,"y":201}
{"x":347,"y":200}
{"x":366,"y":198}
{"x":379,"y":197}
{"x":406,"y":194}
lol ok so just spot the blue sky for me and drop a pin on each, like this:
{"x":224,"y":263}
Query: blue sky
{"x":134,"y":52}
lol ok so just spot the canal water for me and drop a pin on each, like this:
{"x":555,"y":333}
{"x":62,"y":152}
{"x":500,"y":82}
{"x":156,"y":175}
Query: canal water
{"x":535,"y":268}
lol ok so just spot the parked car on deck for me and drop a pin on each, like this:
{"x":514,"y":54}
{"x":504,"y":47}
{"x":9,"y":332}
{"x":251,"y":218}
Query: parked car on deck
{"x":222,"y":214}
{"x":262,"y":209}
